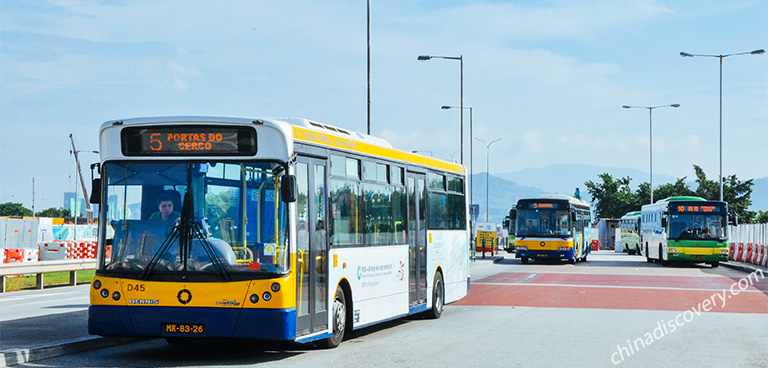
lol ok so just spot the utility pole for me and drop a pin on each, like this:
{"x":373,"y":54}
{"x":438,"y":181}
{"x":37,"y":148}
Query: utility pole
{"x":88,"y":209}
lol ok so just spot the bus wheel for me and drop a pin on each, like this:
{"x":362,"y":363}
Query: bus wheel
{"x":339,"y":320}
{"x":715,"y":264}
{"x":438,"y":295}
{"x":572,"y":261}
{"x":524,"y":260}
{"x":647,"y":257}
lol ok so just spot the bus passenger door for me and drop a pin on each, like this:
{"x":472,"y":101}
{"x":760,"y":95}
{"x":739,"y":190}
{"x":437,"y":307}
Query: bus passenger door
{"x":417,"y":240}
{"x":312,"y":250}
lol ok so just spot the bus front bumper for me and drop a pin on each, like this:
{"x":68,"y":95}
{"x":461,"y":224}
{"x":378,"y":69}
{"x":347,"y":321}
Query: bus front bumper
{"x":272,"y":324}
{"x":695,"y":254}
{"x":543,"y":253}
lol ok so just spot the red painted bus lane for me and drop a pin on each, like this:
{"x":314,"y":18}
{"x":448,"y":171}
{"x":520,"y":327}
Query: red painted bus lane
{"x":640,"y":292}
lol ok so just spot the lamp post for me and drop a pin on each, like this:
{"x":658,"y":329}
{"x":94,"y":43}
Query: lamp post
{"x":451,"y":155}
{"x":487,"y":165}
{"x":721,"y":57}
{"x":471,"y":152}
{"x":460,"y":58}
{"x":650,"y":135}
{"x":430,"y":152}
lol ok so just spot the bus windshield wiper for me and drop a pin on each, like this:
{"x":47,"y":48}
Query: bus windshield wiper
{"x":160,"y":252}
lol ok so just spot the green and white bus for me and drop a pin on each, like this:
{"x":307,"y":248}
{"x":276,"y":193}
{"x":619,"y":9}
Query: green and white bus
{"x":689,"y":229}
{"x":630,"y":232}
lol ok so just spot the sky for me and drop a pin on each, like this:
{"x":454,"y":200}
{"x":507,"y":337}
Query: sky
{"x":548,"y":78}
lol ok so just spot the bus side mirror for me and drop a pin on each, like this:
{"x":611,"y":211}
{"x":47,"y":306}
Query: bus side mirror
{"x":95,"y":191}
{"x":288,"y":188}
{"x":663,"y":222}
{"x":573,"y":216}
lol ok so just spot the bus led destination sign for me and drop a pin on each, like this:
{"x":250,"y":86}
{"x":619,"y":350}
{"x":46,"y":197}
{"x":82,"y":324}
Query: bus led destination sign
{"x":700,"y":209}
{"x":184,"y":140}
{"x":538,"y":205}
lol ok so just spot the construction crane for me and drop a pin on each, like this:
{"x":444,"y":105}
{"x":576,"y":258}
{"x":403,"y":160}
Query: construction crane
{"x":88,"y":209}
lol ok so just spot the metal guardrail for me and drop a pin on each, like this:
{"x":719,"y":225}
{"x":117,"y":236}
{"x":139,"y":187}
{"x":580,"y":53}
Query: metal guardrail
{"x":43,"y":267}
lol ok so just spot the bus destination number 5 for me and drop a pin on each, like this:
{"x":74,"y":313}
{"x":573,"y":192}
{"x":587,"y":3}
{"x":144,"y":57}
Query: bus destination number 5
{"x":154,"y":143}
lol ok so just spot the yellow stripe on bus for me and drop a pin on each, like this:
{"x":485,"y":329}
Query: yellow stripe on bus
{"x":305,"y":135}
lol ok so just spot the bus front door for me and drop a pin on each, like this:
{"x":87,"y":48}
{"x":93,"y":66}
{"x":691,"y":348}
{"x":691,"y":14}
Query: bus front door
{"x":312,"y":267}
{"x":417,"y":238}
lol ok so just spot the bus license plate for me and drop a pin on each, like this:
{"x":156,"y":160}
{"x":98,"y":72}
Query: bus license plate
{"x":195,"y":329}
{"x":697,"y":256}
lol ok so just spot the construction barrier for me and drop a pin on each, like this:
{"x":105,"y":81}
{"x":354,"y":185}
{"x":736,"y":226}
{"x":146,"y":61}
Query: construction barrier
{"x":13,"y":255}
{"x":55,"y":250}
{"x":749,"y":244}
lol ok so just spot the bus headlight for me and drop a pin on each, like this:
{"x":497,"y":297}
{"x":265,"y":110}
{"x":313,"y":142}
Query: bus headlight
{"x":672,"y":250}
{"x":723,"y":251}
{"x":521,"y":248}
{"x":266,"y":296}
{"x":104,"y":293}
{"x":563,"y":249}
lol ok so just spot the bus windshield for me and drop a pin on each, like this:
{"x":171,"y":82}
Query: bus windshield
{"x":543,"y":222}
{"x":696,"y":226}
{"x":216,"y":218}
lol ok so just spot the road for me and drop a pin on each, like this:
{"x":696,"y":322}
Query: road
{"x":614,"y":310}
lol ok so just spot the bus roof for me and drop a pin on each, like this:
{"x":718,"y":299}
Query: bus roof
{"x":560,"y":197}
{"x":632,"y":215}
{"x":294,"y":130}
{"x":681,"y":198}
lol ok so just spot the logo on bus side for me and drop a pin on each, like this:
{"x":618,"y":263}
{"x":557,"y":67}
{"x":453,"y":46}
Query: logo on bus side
{"x":184,"y":296}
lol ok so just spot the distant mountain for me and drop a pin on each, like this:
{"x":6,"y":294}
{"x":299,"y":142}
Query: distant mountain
{"x":565,"y":178}
{"x":503,"y":195}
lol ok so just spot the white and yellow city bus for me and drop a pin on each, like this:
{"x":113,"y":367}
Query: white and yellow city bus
{"x":270,"y":229}
{"x":552,"y":227}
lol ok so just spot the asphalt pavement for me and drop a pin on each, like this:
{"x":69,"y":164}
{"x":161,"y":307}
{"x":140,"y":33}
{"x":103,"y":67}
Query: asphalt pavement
{"x":52,"y":333}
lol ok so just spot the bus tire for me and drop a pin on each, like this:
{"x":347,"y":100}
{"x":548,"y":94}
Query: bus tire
{"x":715,"y":264}
{"x":524,"y":260}
{"x":438,"y":297}
{"x":647,"y":255}
{"x":339,"y":320}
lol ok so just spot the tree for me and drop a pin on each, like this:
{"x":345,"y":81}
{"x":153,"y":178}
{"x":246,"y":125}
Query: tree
{"x":762,"y":217}
{"x":613,"y":196}
{"x":14,"y":209}
{"x":677,"y":189}
{"x":54,"y":212}
{"x":736,"y":192}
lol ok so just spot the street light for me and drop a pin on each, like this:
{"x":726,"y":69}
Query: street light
{"x":650,"y":124}
{"x":471,"y":152}
{"x":451,"y":154}
{"x":460,"y":58}
{"x":721,"y":57}
{"x":487,"y":164}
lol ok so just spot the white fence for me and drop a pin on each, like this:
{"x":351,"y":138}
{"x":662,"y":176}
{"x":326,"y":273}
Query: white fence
{"x":749,"y":243}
